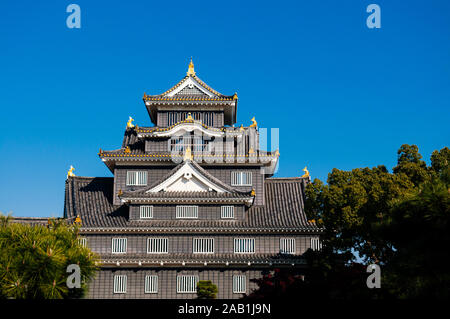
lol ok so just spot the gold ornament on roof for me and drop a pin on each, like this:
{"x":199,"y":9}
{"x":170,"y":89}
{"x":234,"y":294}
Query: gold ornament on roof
{"x":78,"y":220}
{"x":306,"y":172}
{"x":189,"y":117}
{"x":70,"y":172}
{"x":254,"y":123}
{"x":253,"y":193}
{"x":235,"y":96}
{"x":130,"y":122}
{"x":251,"y":151}
{"x":120,"y":193}
{"x":191,"y":71}
{"x":127,"y":150}
{"x":188,"y":155}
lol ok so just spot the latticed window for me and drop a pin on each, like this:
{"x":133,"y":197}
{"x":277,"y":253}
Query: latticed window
{"x":187,"y":212}
{"x":195,"y":143}
{"x":227,"y":212}
{"x":203,"y":246}
{"x":239,"y":284}
{"x":316,"y":244}
{"x":82,"y":242}
{"x":119,"y":246}
{"x":241,"y":178}
{"x":120,"y":284}
{"x":157,"y":245}
{"x":151,"y":284}
{"x":244,"y":245}
{"x":187,"y":284}
{"x":287,"y":245}
{"x":145,"y":212}
{"x":206,"y":118}
{"x":136,"y":178}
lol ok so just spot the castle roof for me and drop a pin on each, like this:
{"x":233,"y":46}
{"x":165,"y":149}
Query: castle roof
{"x":92,"y":199}
{"x":191,"y":91}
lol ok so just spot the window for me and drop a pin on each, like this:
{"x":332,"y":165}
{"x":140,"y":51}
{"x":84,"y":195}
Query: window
{"x":207,"y":118}
{"x":241,"y":178}
{"x":82,"y":242}
{"x":244,"y":245}
{"x":120,"y":284}
{"x":187,"y":212}
{"x":203,"y":246}
{"x":287,"y":246}
{"x":136,"y":178}
{"x":239,"y":284}
{"x":316,"y":244}
{"x":157,"y":245}
{"x":119,"y":245}
{"x":151,"y":284}
{"x":195,"y":143}
{"x":227,"y":212}
{"x":145,"y":212}
{"x":187,"y":284}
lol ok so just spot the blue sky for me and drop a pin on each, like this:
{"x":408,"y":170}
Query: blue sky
{"x":342,"y":95}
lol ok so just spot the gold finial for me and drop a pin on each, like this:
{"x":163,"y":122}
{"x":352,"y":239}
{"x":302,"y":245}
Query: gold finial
{"x":254,"y":123}
{"x":306,"y":172}
{"x":127,"y":150}
{"x":277,"y":153}
{"x":145,"y":96}
{"x":130,"y":122}
{"x":253,"y":193}
{"x":189,"y":117}
{"x":242,"y":129}
{"x":78,"y":220}
{"x":251,"y":151}
{"x":235,"y":96}
{"x":120,"y":193}
{"x":70,"y":172}
{"x":188,"y":155}
{"x":191,"y":71}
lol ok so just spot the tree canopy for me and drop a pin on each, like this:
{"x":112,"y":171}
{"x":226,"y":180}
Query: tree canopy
{"x":399,"y":220}
{"x":34,"y":260}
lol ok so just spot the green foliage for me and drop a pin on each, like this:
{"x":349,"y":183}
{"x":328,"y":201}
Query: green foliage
{"x":399,"y":220}
{"x":206,"y":289}
{"x":34,"y":259}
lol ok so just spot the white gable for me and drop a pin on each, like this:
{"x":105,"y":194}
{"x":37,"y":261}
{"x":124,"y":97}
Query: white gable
{"x":192,"y":85}
{"x":187,"y":179}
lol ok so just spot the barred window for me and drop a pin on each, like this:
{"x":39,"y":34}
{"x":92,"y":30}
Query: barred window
{"x":151,"y":284}
{"x":239,"y":284}
{"x":145,"y":212}
{"x":82,"y":242}
{"x":187,"y":212}
{"x":241,"y":178}
{"x":316,"y":244}
{"x":203,"y":246}
{"x":227,"y":212}
{"x":120,"y":284}
{"x":119,"y":246}
{"x":244,"y":245}
{"x":187,"y":284}
{"x":136,"y":178}
{"x":157,"y":245}
{"x":287,"y":246}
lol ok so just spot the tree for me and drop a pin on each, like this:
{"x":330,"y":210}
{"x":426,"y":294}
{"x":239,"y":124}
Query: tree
{"x":410,"y":163}
{"x":419,"y":230}
{"x":398,"y":220}
{"x":34,"y":260}
{"x":206,"y":290}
